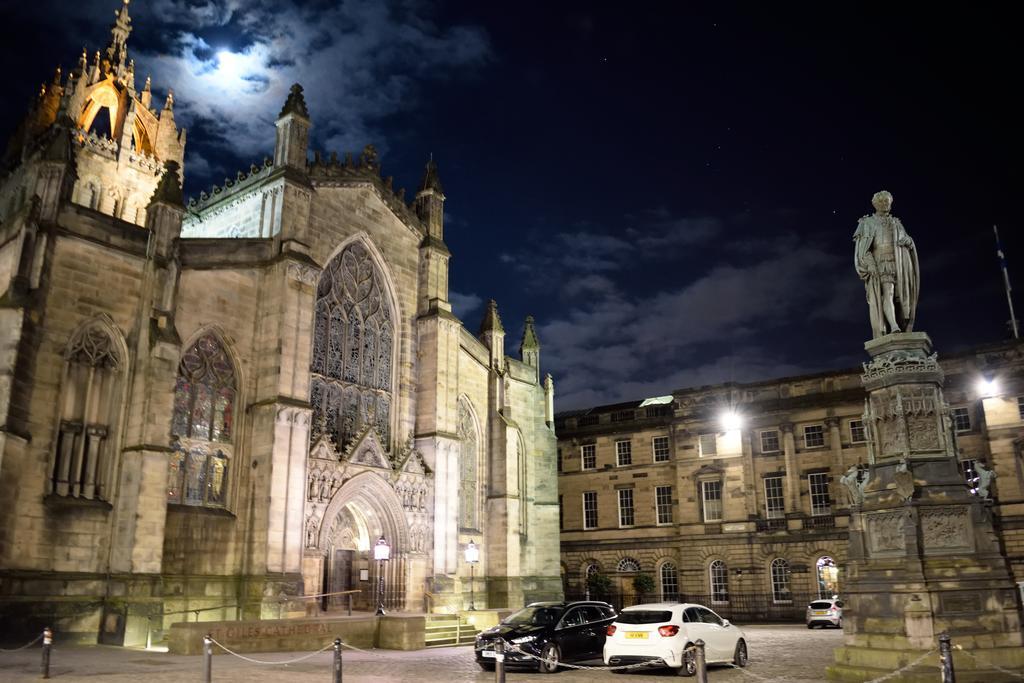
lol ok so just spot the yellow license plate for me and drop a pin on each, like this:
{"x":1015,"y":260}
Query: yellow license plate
{"x":636,"y":635}
{"x":820,"y":614}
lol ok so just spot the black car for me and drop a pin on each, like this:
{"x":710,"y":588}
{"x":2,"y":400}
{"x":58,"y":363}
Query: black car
{"x":554,"y":631}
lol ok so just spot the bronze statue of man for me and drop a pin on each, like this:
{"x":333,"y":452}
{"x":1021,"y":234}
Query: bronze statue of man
{"x":886,"y":260}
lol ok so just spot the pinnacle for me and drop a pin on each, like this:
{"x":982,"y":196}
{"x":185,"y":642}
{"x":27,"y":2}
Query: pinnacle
{"x":530,"y":341}
{"x":168,"y":190}
{"x":295,"y":104}
{"x":431,"y":179}
{"x":491,"y":321}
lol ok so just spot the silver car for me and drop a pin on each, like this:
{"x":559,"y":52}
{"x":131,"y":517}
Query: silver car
{"x":825,"y":612}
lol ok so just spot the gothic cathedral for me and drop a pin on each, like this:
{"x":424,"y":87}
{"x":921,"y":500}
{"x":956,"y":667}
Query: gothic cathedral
{"x":220,"y":405}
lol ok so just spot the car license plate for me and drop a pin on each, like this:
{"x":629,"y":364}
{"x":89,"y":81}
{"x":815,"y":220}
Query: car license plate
{"x":636,"y":635}
{"x":820,"y":614}
{"x":487,"y":654}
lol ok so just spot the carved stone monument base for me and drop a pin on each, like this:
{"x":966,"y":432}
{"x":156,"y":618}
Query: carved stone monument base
{"x":923,"y":557}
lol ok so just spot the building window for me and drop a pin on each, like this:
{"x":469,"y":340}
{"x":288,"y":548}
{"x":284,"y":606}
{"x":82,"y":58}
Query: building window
{"x":90,"y":405}
{"x":590,"y":509}
{"x":663,"y":503}
{"x":623,"y":453}
{"x":719,"y":575}
{"x":774,"y":501}
{"x":588,"y":420}
{"x":814,"y":436}
{"x":203,"y":424}
{"x":857,"y":433}
{"x":588,"y":455}
{"x":558,"y":460}
{"x":780,"y":581}
{"x":622,"y":416}
{"x":628,"y":564}
{"x":711,"y":495}
{"x":468,"y":464}
{"x":821,"y":503}
{"x":660,"y":446}
{"x":961,"y":419}
{"x":969,"y":471}
{"x":658,"y":411}
{"x":708,"y":445}
{"x":1020,"y":406}
{"x":669,"y":582}
{"x":626,"y":516}
{"x":770,"y":441}
{"x":353,"y":338}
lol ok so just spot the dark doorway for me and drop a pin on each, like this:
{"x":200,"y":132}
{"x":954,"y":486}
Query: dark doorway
{"x":341,"y":576}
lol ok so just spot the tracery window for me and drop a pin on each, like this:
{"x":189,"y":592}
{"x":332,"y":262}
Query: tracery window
{"x":89,"y":409}
{"x":468,"y":460}
{"x":203,"y":422}
{"x":353,"y":337}
{"x":628,"y":564}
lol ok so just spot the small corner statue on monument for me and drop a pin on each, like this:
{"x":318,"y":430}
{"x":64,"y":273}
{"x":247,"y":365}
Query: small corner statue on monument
{"x":886,"y":260}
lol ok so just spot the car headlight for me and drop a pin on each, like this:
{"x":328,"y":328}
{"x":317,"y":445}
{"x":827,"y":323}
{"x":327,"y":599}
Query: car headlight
{"x":524,"y":639}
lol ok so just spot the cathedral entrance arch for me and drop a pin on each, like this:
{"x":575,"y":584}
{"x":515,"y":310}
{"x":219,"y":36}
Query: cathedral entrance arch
{"x":364,"y":509}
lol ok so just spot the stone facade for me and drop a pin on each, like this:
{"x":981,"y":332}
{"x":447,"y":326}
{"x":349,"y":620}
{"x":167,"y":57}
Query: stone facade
{"x":219,"y":409}
{"x":797,"y":434}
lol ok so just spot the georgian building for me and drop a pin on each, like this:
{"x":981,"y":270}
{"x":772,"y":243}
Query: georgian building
{"x":731,"y":494}
{"x":213,"y":405}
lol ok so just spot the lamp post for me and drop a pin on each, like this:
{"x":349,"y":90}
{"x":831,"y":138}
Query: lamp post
{"x":472,"y":557}
{"x":381,"y":553}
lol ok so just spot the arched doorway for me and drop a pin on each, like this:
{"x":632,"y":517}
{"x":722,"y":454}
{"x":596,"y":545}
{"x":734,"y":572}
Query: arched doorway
{"x":363,"y":510}
{"x":828,"y":577}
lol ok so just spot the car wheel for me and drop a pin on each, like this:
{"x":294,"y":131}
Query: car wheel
{"x":549,"y":664}
{"x":810,"y":625}
{"x":689,"y":667}
{"x":739,"y":658}
{"x":485,"y":666}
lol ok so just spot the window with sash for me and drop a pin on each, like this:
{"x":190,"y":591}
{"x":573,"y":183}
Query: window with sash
{"x":711,"y":496}
{"x":961,"y":419}
{"x":661,"y":449}
{"x":774,"y":500}
{"x":663,"y":504}
{"x":623,"y":453}
{"x":821,"y":502}
{"x":627,"y":518}
{"x":669,"y":581}
{"x":857,"y":432}
{"x":814,"y":436}
{"x":708,"y":444}
{"x":780,"y":581}
{"x":719,"y":579}
{"x":588,"y":456}
{"x":770,"y":441}
{"x":590,"y":509}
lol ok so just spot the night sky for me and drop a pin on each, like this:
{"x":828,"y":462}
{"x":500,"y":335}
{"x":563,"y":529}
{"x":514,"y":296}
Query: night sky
{"x":671,"y":190}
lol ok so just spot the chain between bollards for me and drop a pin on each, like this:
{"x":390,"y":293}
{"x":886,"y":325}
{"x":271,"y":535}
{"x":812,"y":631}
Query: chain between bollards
{"x":701,"y":661}
{"x":499,"y":661}
{"x":337,"y":660}
{"x":946,"y":659}
{"x":47,"y":646}
{"x":207,"y":658}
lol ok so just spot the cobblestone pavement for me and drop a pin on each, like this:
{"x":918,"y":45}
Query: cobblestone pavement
{"x":778,"y":653}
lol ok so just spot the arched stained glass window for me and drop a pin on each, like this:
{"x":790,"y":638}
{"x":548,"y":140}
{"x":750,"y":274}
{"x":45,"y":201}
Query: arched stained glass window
{"x":351,"y":365}
{"x":468,"y":464}
{"x":780,"y":581}
{"x":719,"y":579}
{"x":203,"y":424}
{"x":669,"y":581}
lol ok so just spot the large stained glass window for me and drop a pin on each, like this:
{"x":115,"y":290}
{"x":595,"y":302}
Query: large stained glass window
{"x":351,"y":364}
{"x":204,"y":406}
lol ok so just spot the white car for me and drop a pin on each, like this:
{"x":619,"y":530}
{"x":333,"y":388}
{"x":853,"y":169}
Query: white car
{"x":660,"y":633}
{"x":825,"y":612}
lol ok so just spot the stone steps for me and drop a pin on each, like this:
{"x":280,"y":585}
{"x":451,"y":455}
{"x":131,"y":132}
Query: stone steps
{"x":446,"y":630}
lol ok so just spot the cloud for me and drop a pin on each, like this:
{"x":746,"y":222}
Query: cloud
{"x":232,"y":62}
{"x":464,"y":304}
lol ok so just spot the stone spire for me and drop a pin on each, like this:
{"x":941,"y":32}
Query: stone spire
{"x":529,"y":347}
{"x":168,"y":190}
{"x":117,"y":51}
{"x":293,"y":124}
{"x":492,"y":334}
{"x":429,"y":204}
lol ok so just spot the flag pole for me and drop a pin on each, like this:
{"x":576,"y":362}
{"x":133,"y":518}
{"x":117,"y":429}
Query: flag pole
{"x":1006,"y":282}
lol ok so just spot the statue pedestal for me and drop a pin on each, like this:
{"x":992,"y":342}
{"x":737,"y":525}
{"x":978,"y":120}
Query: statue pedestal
{"x":923,"y":556}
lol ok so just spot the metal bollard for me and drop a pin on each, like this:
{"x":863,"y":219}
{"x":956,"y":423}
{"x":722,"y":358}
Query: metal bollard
{"x":337,"y":660}
{"x":47,"y":646}
{"x":702,"y":664}
{"x":499,"y":661}
{"x":207,"y":658}
{"x":946,"y":659}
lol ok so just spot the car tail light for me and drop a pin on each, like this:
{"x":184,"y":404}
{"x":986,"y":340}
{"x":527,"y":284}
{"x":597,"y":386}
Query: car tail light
{"x":610,"y":631}
{"x":668,"y":631}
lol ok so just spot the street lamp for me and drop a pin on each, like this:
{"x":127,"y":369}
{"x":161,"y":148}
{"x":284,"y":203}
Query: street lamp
{"x":381,"y":553}
{"x":472,"y":557}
